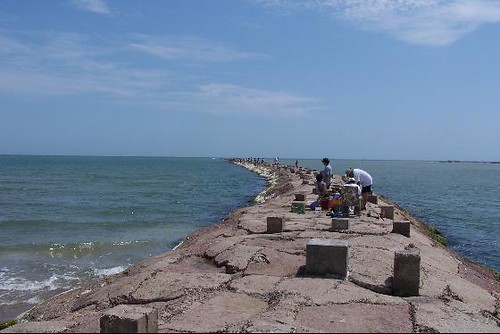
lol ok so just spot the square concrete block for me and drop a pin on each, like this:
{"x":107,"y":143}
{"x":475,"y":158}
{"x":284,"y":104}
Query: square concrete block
{"x":372,"y":199}
{"x":340,"y":223}
{"x":327,"y":256}
{"x":274,"y":224}
{"x":387,"y":211}
{"x":298,"y":207}
{"x":300,"y":197}
{"x":401,"y":227}
{"x":129,"y":319}
{"x":406,"y":279}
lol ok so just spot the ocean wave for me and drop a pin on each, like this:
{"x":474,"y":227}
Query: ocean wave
{"x":108,"y":271}
{"x":10,"y":282}
{"x":75,"y":250}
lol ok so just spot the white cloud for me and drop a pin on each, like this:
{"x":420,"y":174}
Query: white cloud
{"x":422,"y":22}
{"x":230,"y":99}
{"x":237,"y":99}
{"x":94,"y":6}
{"x":59,"y":64}
{"x":188,"y":48}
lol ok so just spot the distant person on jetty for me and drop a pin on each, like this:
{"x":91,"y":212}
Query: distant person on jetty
{"x":327,"y":172}
{"x":364,"y":180}
{"x":296,"y":163}
{"x":322,"y":191}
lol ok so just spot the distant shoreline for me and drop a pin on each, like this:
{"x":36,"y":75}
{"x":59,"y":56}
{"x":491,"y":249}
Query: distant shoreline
{"x":469,"y":161}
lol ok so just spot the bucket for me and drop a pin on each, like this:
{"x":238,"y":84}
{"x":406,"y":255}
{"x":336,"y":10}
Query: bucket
{"x":324,"y":204}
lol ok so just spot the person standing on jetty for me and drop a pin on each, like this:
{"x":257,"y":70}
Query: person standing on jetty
{"x":327,"y":172}
{"x":364,"y":180}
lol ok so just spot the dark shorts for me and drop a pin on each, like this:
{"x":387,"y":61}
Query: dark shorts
{"x":367,"y":189}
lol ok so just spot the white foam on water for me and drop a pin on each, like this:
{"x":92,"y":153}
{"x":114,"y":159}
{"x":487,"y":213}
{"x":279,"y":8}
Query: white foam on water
{"x":18,"y":283}
{"x":108,"y":271}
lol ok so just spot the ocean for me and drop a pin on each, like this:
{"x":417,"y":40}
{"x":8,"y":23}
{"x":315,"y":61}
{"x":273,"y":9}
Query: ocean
{"x":67,"y":220}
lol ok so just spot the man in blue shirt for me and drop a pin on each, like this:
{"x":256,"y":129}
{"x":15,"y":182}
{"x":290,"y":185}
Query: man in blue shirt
{"x":327,"y":172}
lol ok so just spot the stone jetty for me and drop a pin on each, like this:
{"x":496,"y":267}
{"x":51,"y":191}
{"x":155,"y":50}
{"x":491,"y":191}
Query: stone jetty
{"x":268,"y":268}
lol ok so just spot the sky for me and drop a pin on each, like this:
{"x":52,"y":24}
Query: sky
{"x":358,"y":79}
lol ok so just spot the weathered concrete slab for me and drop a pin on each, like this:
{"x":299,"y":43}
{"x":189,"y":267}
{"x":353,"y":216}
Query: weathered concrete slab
{"x":356,"y":318}
{"x":372,"y":268}
{"x":52,"y":326}
{"x":193,"y":264}
{"x":111,"y":293}
{"x":451,"y":316}
{"x":222,"y":244}
{"x":216,"y":314}
{"x":254,"y":225}
{"x":369,"y":225}
{"x":323,"y":291}
{"x":255,"y":284}
{"x":279,"y":318}
{"x":273,"y":262}
{"x":165,"y":286}
{"x":470,"y":293}
{"x":236,"y":258}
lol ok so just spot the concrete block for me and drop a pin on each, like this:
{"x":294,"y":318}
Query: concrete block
{"x":274,"y":224}
{"x":345,"y":211}
{"x":327,"y":256}
{"x":129,"y":319}
{"x":401,"y":227}
{"x":298,"y":207}
{"x":406,"y":279}
{"x":387,"y":211}
{"x":300,"y":197}
{"x":372,"y":199}
{"x":340,"y":223}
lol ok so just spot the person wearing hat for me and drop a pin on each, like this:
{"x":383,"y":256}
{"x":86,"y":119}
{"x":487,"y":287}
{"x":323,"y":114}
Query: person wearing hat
{"x":327,"y":172}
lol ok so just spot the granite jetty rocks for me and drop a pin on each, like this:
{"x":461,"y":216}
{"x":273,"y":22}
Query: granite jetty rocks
{"x":236,"y":276}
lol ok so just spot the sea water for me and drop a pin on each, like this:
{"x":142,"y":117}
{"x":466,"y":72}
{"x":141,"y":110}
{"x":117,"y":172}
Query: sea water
{"x":460,"y":199}
{"x":67,"y":220}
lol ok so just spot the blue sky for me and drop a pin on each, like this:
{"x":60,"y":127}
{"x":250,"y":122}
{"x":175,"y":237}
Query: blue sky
{"x":402,"y":79}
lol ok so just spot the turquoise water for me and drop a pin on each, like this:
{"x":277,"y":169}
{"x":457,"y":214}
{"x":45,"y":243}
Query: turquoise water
{"x":66,"y":220}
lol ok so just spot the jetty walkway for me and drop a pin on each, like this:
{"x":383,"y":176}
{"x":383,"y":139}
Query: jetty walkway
{"x":262,"y":269}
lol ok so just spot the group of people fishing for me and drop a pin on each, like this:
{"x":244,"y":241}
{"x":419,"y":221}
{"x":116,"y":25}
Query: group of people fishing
{"x":357,"y":178}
